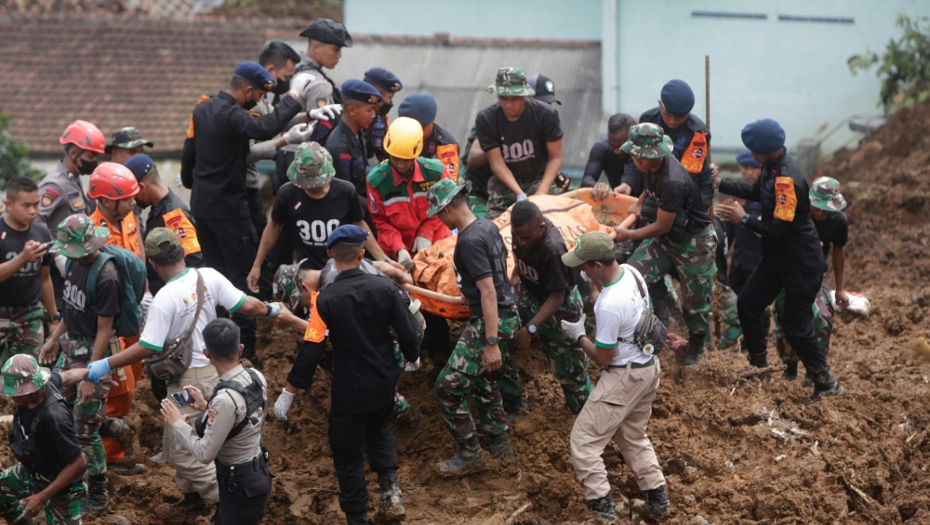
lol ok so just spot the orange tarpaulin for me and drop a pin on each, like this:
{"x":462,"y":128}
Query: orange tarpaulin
{"x":573,"y":214}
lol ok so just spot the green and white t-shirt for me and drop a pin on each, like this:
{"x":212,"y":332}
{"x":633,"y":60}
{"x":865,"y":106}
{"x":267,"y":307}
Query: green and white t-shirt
{"x":616,"y":312}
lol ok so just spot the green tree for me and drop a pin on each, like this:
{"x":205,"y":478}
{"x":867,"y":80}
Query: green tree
{"x":13,"y":154}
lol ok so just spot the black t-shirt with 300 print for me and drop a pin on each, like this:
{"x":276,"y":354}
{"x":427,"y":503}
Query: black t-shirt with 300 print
{"x":315,"y":219}
{"x":540,"y":267}
{"x":480,"y":253}
{"x":24,"y":287}
{"x":80,"y":316}
{"x":522,"y":142}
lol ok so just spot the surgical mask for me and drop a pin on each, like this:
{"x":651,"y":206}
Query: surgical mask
{"x":282,"y":87}
{"x":585,"y":277}
{"x":385,"y":109}
{"x":86,"y":167}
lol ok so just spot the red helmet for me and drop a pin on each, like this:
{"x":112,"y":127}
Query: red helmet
{"x":84,"y":135}
{"x":112,"y":181}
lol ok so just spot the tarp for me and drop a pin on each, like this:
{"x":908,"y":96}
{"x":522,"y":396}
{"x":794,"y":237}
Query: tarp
{"x":571,"y":213}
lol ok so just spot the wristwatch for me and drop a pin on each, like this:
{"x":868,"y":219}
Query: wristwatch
{"x":744,"y":220}
{"x":531,"y":328}
{"x":53,"y":318}
{"x":491,"y":341}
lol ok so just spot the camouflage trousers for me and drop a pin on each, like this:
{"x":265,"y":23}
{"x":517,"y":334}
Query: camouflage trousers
{"x":464,"y":374}
{"x":823,"y":323}
{"x":88,"y":416}
{"x":16,"y":483}
{"x":568,"y":360}
{"x":403,"y":411}
{"x":693,"y":259}
{"x":730,"y":335}
{"x":21,"y":331}
{"x":500,"y":197}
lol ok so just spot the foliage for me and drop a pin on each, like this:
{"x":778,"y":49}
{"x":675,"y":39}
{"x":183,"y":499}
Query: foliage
{"x":13,"y":154}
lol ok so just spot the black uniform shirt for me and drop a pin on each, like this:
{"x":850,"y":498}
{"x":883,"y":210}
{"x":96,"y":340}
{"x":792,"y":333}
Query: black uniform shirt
{"x":55,"y":434}
{"x":374,"y":138}
{"x":314,"y":220}
{"x":540,"y":267}
{"x":681,"y":139}
{"x":480,"y":253}
{"x":833,"y":231}
{"x":674,"y":190}
{"x":23,"y":288}
{"x":360,"y":310}
{"x":603,"y":159}
{"x":80,"y":316}
{"x":350,"y":159}
{"x":522,"y":143}
{"x":157,"y":219}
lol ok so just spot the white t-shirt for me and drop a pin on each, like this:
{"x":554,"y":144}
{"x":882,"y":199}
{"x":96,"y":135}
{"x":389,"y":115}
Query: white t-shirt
{"x":617,"y":311}
{"x":173,"y":307}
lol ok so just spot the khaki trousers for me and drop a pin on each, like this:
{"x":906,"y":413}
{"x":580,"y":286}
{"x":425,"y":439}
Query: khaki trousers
{"x":619,"y":408}
{"x":192,"y":475}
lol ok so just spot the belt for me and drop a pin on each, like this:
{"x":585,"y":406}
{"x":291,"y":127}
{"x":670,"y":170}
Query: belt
{"x":231,"y":471}
{"x":647,"y":364}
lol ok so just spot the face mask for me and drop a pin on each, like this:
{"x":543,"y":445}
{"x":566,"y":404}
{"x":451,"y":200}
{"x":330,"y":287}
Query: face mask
{"x":282,"y":87}
{"x":385,"y":109}
{"x":249,"y":104}
{"x":86,"y":167}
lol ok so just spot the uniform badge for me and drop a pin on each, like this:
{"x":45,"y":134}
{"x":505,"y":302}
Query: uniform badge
{"x":372,"y":204}
{"x":78,"y":204}
{"x":48,"y":199}
{"x":320,"y":102}
{"x":296,"y":206}
{"x":211,"y":416}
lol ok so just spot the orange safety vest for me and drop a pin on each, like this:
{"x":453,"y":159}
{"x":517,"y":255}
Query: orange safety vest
{"x":448,"y":154}
{"x":316,"y":328}
{"x":693,"y":157}
{"x":127,"y":236}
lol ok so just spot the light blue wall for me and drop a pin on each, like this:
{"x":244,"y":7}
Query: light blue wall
{"x":524,"y":19}
{"x":794,"y":72}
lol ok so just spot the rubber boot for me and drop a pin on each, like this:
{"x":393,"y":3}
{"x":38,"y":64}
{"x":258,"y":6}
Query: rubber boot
{"x":97,"y":497}
{"x":760,"y":360}
{"x":791,"y":372}
{"x":696,"y":350}
{"x":469,"y":456}
{"x":392,"y":499}
{"x":193,"y":504}
{"x":356,"y":519}
{"x":499,"y":446}
{"x":825,"y":386}
{"x":656,"y":506}
{"x":605,"y":508}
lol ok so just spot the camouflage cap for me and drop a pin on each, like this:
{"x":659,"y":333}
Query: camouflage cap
{"x":160,"y":241}
{"x":441,"y":194}
{"x":312,"y":167}
{"x":825,"y":194}
{"x":286,"y":287}
{"x":511,"y":82}
{"x":23,"y":376}
{"x":592,"y":246}
{"x":78,"y":237}
{"x":647,"y":141}
{"x":128,"y":138}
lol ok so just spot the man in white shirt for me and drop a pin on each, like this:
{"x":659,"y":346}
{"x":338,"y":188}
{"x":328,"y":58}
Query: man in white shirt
{"x":169,"y":317}
{"x":621,"y":404}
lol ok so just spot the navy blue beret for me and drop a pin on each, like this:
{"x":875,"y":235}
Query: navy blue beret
{"x":256,"y":74}
{"x":677,"y":97}
{"x":140,"y":165}
{"x":328,"y":31}
{"x":384,"y":79}
{"x":360,"y":90}
{"x":420,"y":107}
{"x":746,"y":159}
{"x":348,"y":234}
{"x":763,"y":136}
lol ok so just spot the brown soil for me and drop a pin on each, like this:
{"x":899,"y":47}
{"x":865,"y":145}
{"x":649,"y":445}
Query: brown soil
{"x":734,"y":451}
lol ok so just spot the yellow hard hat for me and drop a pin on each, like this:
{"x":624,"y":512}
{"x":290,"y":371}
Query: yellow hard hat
{"x":404,"y":138}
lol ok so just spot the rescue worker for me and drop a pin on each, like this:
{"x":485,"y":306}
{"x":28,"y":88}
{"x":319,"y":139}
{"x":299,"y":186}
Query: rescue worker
{"x":325,"y":40}
{"x":689,"y":135}
{"x":522,"y":139}
{"x":792,"y":258}
{"x":827,"y":204}
{"x":361,"y":310}
{"x":214,"y":165}
{"x":50,"y":472}
{"x":229,"y":431}
{"x":27,"y":299}
{"x":170,"y":316}
{"x":546,"y":295}
{"x":387,"y":85}
{"x":347,"y":143}
{"x":437,"y":142}
{"x":608,"y":157}
{"x":747,"y":244}
{"x":621,"y":405}
{"x":90,"y":337}
{"x":124,"y":143}
{"x":480,"y":263}
{"x":681,"y":239}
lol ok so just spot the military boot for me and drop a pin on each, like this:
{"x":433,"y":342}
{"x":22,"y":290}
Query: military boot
{"x":825,"y":386}
{"x":514,"y":406}
{"x":469,"y":457}
{"x":193,"y":504}
{"x":760,"y":360}
{"x":604,"y":508}
{"x":97,"y":497}
{"x":656,"y":506}
{"x":392,"y":499}
{"x":118,"y":429}
{"x":791,"y":372}
{"x":696,"y":350}
{"x":499,"y":446}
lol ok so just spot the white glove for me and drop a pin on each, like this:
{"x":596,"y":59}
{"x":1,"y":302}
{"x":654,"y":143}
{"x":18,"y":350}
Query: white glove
{"x":60,"y":262}
{"x":146,"y":302}
{"x":177,"y":181}
{"x":403,"y":257}
{"x":574,"y":329}
{"x":299,"y":134}
{"x":299,"y":85}
{"x":421,"y":244}
{"x":327,"y":112}
{"x":283,"y":404}
{"x":411,"y":367}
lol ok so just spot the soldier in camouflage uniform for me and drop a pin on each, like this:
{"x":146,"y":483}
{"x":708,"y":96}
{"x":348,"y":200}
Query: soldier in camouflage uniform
{"x":682,"y":237}
{"x":126,"y":143}
{"x":89,"y":337}
{"x":480,"y":262}
{"x":46,"y":446}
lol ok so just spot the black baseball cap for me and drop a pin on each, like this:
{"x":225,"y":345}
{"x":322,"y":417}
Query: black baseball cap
{"x":544,"y":88}
{"x":329,"y":31}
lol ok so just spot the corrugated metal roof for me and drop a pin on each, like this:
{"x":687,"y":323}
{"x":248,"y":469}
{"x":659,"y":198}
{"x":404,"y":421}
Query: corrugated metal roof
{"x":457,"y":75}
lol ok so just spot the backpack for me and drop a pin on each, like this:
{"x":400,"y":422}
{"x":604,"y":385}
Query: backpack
{"x":132,"y":275}
{"x":650,"y":333}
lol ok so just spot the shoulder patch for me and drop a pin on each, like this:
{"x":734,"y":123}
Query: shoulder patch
{"x":786,"y":201}
{"x":48,"y":197}
{"x":211,"y":416}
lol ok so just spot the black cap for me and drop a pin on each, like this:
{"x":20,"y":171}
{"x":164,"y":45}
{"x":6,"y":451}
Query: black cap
{"x":328,"y":31}
{"x":544,"y":88}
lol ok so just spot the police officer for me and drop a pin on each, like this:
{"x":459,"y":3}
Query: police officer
{"x":690,"y":136}
{"x":608,"y":157}
{"x":437,"y":142}
{"x":326,"y":39}
{"x":360,"y":311}
{"x":387,"y":85}
{"x":229,"y":433}
{"x":126,"y":142}
{"x":792,"y":258}
{"x":346,"y":143}
{"x":213,"y":164}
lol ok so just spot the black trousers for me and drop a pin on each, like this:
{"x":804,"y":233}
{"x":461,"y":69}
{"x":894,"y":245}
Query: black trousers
{"x":229,"y":246}
{"x":737,"y":277}
{"x":436,"y":337}
{"x":243,"y":498}
{"x":800,"y":291}
{"x":259,"y":221}
{"x":351,"y":436}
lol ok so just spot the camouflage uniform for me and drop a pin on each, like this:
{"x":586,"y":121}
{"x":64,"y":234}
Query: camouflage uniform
{"x":500,"y":197}
{"x":729,"y":316}
{"x":21,"y":331}
{"x":823,"y":323}
{"x":403,"y":411}
{"x":16,"y":483}
{"x":568,"y":360}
